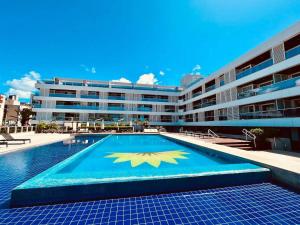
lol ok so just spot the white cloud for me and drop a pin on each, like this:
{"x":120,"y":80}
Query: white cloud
{"x":162,"y":73}
{"x":122,"y":80}
{"x":148,"y":78}
{"x":197,"y":68}
{"x":24,"y":86}
{"x":93,"y":70}
{"x":89,"y":69}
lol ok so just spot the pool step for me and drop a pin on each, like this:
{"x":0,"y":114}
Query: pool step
{"x":241,"y":144}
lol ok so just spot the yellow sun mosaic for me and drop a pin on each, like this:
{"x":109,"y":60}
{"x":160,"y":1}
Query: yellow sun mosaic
{"x":152,"y":158}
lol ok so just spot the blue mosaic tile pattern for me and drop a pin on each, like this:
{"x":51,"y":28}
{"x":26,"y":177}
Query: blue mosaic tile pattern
{"x":249,"y":204}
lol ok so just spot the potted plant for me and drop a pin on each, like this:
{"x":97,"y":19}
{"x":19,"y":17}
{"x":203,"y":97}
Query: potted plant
{"x":260,"y":138}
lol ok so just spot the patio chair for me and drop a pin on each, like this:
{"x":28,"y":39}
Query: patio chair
{"x":9,"y":138}
{"x":4,"y":143}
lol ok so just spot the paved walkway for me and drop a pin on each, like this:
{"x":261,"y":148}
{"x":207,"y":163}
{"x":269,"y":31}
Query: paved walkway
{"x":36,"y":140}
{"x":273,"y":160}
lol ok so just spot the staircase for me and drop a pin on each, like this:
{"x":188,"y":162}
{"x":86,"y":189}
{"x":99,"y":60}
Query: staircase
{"x":235,"y":143}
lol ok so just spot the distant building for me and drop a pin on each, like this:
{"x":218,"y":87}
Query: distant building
{"x":2,"y":106}
{"x":12,"y":110}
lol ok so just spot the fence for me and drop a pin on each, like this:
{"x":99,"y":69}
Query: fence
{"x":16,"y":129}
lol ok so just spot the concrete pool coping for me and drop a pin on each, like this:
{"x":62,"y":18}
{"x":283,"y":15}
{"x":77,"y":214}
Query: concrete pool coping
{"x":38,"y":190}
{"x":284,"y":168}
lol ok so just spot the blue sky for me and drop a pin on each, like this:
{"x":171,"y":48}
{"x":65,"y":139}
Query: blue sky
{"x":108,"y":40}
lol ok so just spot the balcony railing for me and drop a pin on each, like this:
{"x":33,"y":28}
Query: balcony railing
{"x":263,"y":65}
{"x":62,"y":118}
{"x":197,"y":94}
{"x":292,"y":52}
{"x":37,"y":106}
{"x":166,"y":120}
{"x":73,"y":83}
{"x":155,"y":99}
{"x":212,"y":87}
{"x":206,"y":104}
{"x":281,"y":113}
{"x":116,"y":97}
{"x":87,"y":107}
{"x":97,"y":85}
{"x":117,"y":108}
{"x":209,"y":118}
{"x":144,"y":109}
{"x":90,"y":96}
{"x":271,"y":88}
{"x":62,"y":95}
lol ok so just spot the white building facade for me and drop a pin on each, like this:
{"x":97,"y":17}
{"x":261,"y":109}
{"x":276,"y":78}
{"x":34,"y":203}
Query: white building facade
{"x":259,"y":89}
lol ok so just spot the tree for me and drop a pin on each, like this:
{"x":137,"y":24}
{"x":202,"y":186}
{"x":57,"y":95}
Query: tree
{"x":25,"y":116}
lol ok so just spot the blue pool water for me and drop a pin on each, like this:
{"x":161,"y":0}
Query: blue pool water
{"x":101,"y":162}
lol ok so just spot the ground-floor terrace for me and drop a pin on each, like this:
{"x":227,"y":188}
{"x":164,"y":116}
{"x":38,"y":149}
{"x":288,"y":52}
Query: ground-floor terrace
{"x":262,"y":203}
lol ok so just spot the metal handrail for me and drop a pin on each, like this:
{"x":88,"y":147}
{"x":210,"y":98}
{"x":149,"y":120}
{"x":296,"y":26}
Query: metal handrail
{"x":249,"y":134}
{"x":211,"y":133}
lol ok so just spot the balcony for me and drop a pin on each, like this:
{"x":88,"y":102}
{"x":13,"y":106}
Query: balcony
{"x":209,"y":88}
{"x":271,"y":88}
{"x":73,"y":83}
{"x":292,"y":52}
{"x":90,"y":96}
{"x":283,"y":113}
{"x":116,"y":97}
{"x":117,"y":108}
{"x":166,"y":120}
{"x":263,"y":65}
{"x":62,"y":95}
{"x":155,"y":99}
{"x":36,"y":106}
{"x":62,"y":118}
{"x":144,"y":109}
{"x":197,"y":94}
{"x":209,"y":103}
{"x":86,"y":107}
{"x":98,"y":85}
{"x":222,"y":117}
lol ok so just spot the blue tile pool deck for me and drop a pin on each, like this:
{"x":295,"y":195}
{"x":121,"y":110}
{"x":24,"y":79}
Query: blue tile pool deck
{"x":263,"y":203}
{"x":133,"y":165}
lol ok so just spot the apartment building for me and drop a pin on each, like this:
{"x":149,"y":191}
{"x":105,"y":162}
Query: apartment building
{"x":2,"y":106}
{"x":259,"y":89}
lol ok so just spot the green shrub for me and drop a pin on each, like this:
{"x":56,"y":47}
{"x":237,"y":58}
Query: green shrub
{"x":257,"y":132}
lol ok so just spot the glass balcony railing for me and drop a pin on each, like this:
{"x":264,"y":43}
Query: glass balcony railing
{"x":62,"y":118}
{"x":37,"y":106}
{"x":155,"y":99}
{"x":292,"y":52}
{"x":197,"y":94}
{"x":144,"y":109}
{"x":98,"y":85}
{"x":90,"y":96}
{"x":254,"y":69}
{"x":271,"y":88}
{"x":206,"y":104}
{"x":281,"y":113}
{"x":120,"y":108}
{"x":62,"y":95}
{"x":73,"y":83}
{"x":87,"y":107}
{"x":212,"y":87}
{"x":116,"y":97}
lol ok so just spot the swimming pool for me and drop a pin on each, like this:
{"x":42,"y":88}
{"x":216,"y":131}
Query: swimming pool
{"x":129,"y":165}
